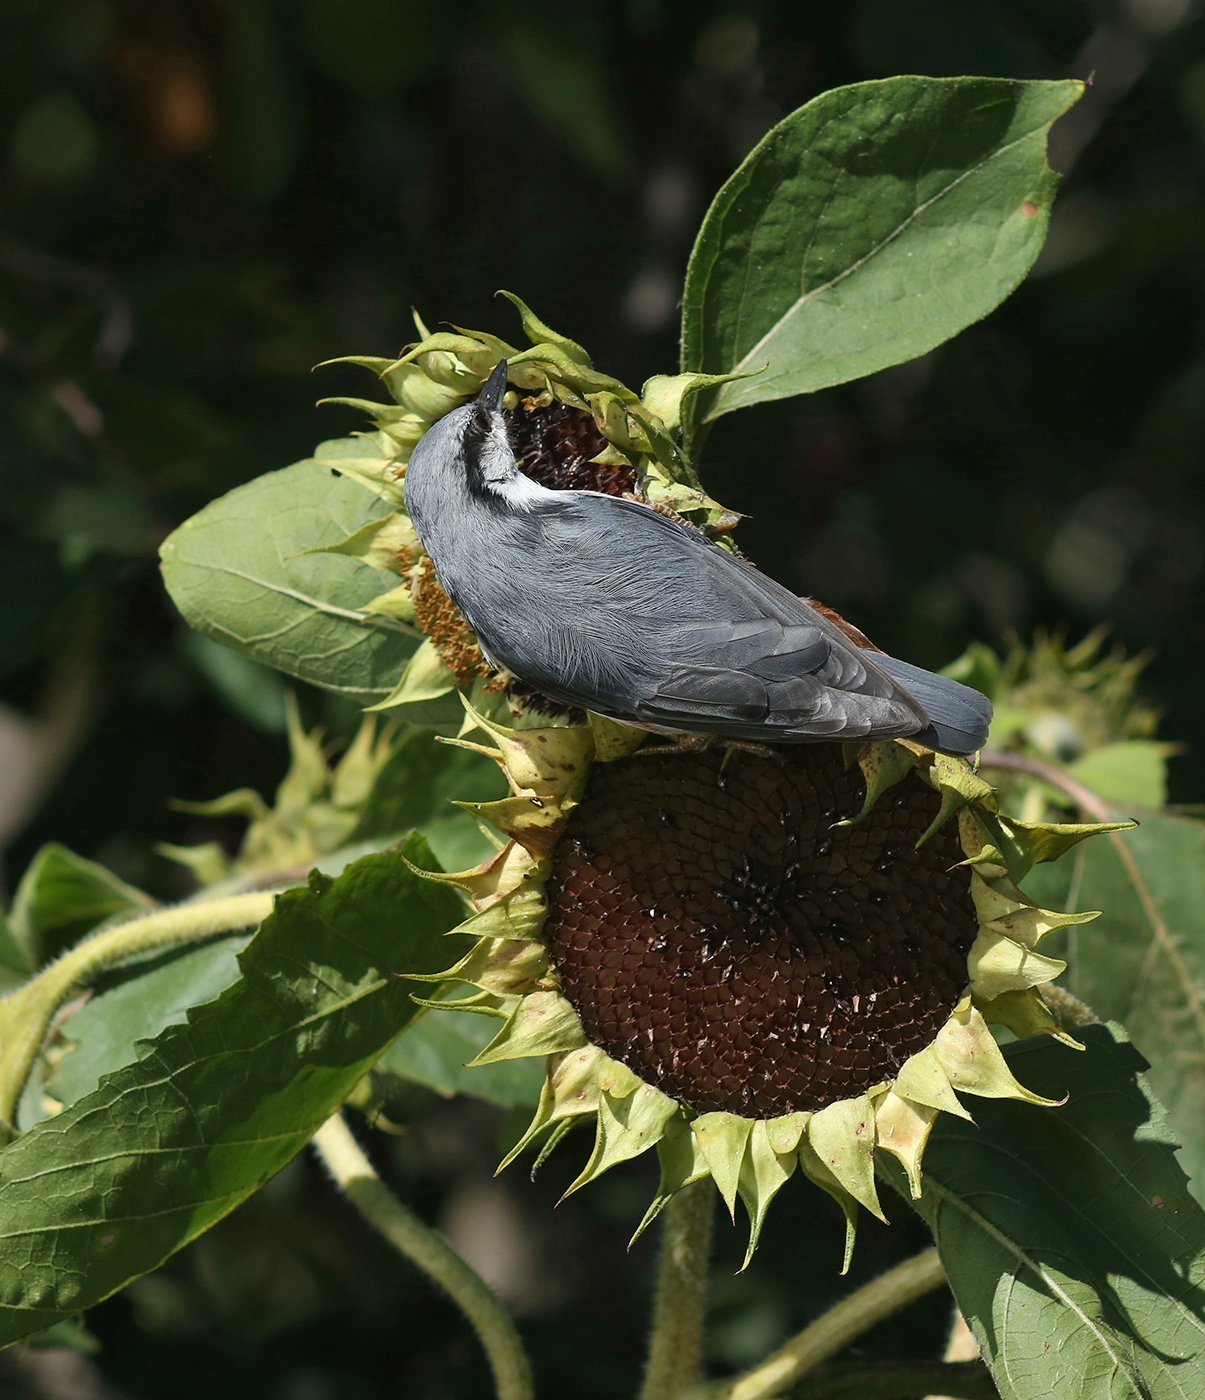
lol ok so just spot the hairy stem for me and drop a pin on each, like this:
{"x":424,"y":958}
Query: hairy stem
{"x":1083,"y":797}
{"x":675,"y":1363}
{"x":835,"y":1329}
{"x":26,"y":1014}
{"x":430,"y":1252}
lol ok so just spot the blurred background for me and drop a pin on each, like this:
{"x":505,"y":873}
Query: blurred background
{"x":202,"y":199}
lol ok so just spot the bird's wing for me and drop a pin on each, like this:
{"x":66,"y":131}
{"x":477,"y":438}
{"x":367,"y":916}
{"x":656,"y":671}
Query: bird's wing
{"x":735,"y":653}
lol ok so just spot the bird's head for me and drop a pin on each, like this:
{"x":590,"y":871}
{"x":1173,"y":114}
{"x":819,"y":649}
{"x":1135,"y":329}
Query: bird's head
{"x":466,"y":459}
{"x":488,"y":458}
{"x":466,"y":449}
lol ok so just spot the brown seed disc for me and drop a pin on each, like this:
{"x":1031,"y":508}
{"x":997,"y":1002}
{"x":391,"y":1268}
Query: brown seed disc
{"x":717,"y":934}
{"x":554,"y":444}
{"x":441,"y":620}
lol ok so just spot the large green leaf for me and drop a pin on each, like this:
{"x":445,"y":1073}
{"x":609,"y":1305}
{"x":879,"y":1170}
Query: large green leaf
{"x":1072,"y":1244}
{"x":1143,"y":961}
{"x":238,"y":572}
{"x":168,"y":1145}
{"x":414,"y":789}
{"x":866,"y":228}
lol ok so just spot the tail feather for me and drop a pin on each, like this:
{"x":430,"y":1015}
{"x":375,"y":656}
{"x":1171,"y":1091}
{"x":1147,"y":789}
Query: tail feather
{"x":959,"y":716}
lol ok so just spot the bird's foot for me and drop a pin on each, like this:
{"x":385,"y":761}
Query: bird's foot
{"x":700,"y":743}
{"x":677,"y":743}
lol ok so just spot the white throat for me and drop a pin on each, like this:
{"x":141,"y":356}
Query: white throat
{"x":500,"y":473}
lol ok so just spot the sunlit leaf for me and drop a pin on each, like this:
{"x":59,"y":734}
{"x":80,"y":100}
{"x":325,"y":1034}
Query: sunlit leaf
{"x":134,"y":1003}
{"x":1072,"y":1244}
{"x":238,"y":573}
{"x":866,"y":228}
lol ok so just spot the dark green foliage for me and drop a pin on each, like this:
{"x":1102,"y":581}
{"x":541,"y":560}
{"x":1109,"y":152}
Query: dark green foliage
{"x":1072,"y":1244}
{"x":1143,"y":961}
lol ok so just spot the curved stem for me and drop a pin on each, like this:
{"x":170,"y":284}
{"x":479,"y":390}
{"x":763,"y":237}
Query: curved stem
{"x":1066,"y":1008}
{"x":836,"y":1329}
{"x":354,"y":1175}
{"x":1083,"y":797}
{"x":25,"y":1014}
{"x":675,"y":1363}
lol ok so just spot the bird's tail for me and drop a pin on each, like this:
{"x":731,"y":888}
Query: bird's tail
{"x":959,"y":716}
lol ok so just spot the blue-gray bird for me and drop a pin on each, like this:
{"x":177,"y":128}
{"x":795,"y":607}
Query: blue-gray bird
{"x":603,"y":603}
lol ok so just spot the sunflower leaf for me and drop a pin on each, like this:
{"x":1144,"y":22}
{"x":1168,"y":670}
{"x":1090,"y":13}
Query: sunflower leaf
{"x":866,"y":228}
{"x":1072,"y":1244}
{"x":1143,"y":961}
{"x":170,"y":1143}
{"x":133,"y":1003}
{"x":239,"y":572}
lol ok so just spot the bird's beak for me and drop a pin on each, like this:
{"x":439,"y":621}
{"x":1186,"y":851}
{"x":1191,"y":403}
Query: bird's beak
{"x":490,"y":397}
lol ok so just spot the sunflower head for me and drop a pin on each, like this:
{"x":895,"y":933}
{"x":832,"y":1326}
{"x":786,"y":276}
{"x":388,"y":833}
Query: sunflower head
{"x":753,"y":963}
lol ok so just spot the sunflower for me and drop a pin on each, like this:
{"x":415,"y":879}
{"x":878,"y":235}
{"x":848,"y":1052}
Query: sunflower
{"x":750,"y":962}
{"x":753,"y":963}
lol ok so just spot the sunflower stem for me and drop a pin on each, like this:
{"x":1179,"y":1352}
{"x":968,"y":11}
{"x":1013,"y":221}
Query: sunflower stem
{"x":1083,"y":797}
{"x":1067,"y":1009}
{"x":429,"y":1251}
{"x":675,"y":1348}
{"x":835,"y":1329}
{"x":26,"y":1014}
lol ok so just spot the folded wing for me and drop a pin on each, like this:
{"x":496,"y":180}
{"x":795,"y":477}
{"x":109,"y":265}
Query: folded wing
{"x":734,"y":653}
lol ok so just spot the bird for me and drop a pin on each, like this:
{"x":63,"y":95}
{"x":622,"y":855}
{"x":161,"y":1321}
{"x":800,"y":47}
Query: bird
{"x":605,"y":604}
